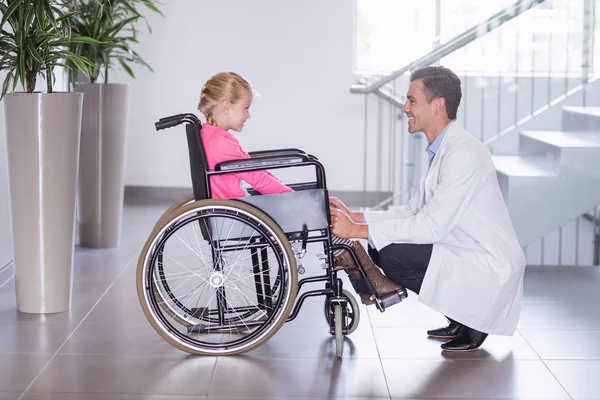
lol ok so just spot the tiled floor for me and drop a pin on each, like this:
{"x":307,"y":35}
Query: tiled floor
{"x":105,"y":349}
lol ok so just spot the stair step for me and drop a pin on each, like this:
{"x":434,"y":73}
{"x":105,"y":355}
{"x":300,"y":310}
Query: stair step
{"x":565,"y":139}
{"x":521,"y":166}
{"x":581,"y":119}
{"x":593,"y":111}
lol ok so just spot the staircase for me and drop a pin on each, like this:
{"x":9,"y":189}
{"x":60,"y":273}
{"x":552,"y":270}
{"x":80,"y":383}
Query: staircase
{"x":555,"y":178}
{"x":548,"y":78}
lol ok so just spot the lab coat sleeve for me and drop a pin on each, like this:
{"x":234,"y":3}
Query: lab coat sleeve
{"x":461,"y":176}
{"x":404,"y":211}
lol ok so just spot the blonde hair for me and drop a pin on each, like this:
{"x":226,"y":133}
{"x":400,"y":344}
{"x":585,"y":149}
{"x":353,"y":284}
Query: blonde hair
{"x":222,"y":86}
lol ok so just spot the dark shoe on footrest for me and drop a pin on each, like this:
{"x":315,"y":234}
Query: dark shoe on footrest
{"x":468,"y":340}
{"x":448,"y":332}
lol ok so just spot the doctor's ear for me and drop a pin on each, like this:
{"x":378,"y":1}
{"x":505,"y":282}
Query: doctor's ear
{"x":439,"y":105}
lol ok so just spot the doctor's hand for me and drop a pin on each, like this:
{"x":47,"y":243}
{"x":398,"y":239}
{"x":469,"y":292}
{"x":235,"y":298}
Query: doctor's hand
{"x":343,"y":226}
{"x":357,"y":216}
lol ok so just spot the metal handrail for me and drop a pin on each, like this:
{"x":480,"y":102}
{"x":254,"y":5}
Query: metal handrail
{"x":559,"y":99}
{"x":488,"y":25}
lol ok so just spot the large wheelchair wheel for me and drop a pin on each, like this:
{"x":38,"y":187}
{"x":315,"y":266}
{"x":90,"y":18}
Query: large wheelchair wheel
{"x":179,"y":203}
{"x":217,"y":277}
{"x":166,"y":217}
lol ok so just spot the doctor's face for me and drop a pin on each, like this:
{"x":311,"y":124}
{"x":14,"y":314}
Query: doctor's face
{"x":420,"y":113}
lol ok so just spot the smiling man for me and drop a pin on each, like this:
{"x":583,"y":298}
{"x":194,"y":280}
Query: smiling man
{"x":453,"y":243}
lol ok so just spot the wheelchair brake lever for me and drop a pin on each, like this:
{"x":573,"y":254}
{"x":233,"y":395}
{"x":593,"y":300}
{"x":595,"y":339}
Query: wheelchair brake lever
{"x":304,"y":240}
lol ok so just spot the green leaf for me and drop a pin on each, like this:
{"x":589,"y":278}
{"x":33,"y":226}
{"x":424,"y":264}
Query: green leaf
{"x":126,"y":68}
{"x":66,"y":16}
{"x":12,"y":7}
{"x":78,"y":39}
{"x":6,"y":84}
{"x":153,"y":8}
{"x":33,"y":52}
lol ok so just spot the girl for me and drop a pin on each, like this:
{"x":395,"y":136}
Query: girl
{"x":225,"y":102}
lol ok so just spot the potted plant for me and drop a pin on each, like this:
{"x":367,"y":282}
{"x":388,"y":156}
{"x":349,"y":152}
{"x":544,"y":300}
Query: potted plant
{"x":42,"y":136}
{"x":114,"y":24}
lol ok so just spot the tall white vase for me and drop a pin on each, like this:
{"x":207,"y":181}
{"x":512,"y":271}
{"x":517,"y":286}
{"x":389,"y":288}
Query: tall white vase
{"x":102,"y":163}
{"x":42,"y":137}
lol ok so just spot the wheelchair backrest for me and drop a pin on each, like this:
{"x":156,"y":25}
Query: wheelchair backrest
{"x":198,"y":161}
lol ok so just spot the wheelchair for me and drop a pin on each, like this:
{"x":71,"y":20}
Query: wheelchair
{"x":220,"y":277}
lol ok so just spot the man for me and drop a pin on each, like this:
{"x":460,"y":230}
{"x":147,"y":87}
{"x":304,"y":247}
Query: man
{"x":453,"y":243}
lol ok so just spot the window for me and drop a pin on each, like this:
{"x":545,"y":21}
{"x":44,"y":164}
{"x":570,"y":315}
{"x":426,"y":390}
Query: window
{"x":546,"y":40}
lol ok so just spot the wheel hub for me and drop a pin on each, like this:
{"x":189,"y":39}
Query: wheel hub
{"x":217,"y":279}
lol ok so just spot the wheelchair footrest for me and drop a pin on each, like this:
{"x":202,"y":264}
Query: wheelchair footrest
{"x":392,"y":298}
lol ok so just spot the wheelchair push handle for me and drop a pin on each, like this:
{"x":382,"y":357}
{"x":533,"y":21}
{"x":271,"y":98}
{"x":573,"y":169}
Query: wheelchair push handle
{"x":168,"y":122}
{"x":174,"y":120}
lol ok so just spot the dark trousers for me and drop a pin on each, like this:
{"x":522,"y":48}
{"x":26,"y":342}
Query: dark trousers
{"x":404,"y":263}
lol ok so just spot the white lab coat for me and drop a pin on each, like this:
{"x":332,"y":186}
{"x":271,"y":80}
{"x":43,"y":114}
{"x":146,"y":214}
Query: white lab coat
{"x":475,"y":274}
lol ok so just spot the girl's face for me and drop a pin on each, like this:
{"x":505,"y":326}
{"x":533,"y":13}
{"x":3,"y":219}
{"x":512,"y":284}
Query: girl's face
{"x":237,"y":113}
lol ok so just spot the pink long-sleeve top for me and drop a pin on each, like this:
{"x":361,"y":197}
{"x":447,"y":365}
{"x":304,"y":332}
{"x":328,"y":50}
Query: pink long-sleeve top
{"x":220,"y":146}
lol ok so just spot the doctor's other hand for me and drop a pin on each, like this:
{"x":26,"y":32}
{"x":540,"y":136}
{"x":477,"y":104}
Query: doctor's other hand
{"x":342,"y":225}
{"x":356,"y":216}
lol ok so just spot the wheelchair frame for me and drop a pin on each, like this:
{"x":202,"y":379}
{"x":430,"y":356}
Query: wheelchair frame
{"x":337,"y":300}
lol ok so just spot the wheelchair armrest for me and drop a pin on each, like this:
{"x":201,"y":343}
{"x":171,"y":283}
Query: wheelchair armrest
{"x":262,"y":162}
{"x":296,"y":187}
{"x":282,"y":152}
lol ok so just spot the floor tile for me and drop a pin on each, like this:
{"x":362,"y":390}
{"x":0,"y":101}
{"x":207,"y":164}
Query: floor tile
{"x":19,"y":370}
{"x":240,"y":397}
{"x":577,"y":285}
{"x":23,"y":337}
{"x":560,"y":316}
{"x":413,"y":343}
{"x":312,"y":378}
{"x":312,"y":342}
{"x":567,"y":344}
{"x":9,"y":396}
{"x":124,"y":374}
{"x":114,"y":338}
{"x":581,"y":379}
{"x":126,"y":314}
{"x":111,"y":396}
{"x":408,"y":314}
{"x":466,"y":379}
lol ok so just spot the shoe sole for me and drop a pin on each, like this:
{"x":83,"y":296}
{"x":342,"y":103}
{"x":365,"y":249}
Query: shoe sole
{"x":442,"y":337}
{"x":460,"y":351}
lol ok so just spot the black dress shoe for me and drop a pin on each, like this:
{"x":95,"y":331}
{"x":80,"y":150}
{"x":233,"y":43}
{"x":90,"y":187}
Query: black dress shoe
{"x":468,"y":340}
{"x":448,"y":332}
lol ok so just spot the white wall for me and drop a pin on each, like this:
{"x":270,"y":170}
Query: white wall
{"x":297,"y":54}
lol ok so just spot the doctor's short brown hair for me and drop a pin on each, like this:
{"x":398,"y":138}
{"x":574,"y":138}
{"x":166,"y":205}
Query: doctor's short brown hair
{"x":440,"y":82}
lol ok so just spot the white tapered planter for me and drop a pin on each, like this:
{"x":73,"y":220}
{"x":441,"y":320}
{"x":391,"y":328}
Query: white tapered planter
{"x":102,"y":163}
{"x":42,"y":137}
